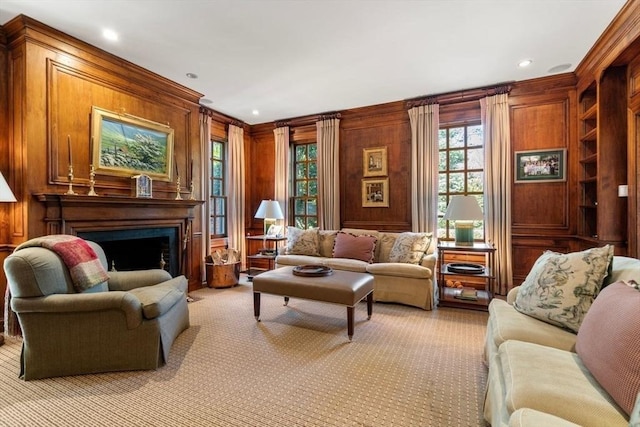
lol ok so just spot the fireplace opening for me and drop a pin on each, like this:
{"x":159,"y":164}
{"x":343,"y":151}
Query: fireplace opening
{"x":139,"y":249}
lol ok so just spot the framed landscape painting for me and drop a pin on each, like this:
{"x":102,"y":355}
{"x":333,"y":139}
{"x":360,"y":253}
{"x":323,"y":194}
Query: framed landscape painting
{"x":541,"y":165}
{"x":125,"y":145}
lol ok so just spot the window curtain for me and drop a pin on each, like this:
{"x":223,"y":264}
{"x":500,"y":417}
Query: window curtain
{"x":236,"y":190}
{"x":328,"y":137}
{"x":497,"y":191}
{"x":281,"y":188}
{"x":205,"y":148}
{"x":425,"y":123}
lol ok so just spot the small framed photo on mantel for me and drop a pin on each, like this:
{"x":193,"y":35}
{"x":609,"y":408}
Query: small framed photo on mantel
{"x":143,"y":186}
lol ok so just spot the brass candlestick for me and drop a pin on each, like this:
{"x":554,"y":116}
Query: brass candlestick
{"x":92,"y":181}
{"x":70,"y":176}
{"x":178,"y":196}
{"x":192,"y":196}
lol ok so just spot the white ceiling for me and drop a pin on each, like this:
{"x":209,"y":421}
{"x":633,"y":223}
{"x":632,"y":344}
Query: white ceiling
{"x":289,"y":58}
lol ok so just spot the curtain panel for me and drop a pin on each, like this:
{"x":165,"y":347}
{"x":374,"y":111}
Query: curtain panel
{"x":205,"y":148}
{"x":281,"y":183}
{"x":328,"y":138}
{"x":236,"y":190}
{"x":497,"y":190}
{"x":425,"y":124}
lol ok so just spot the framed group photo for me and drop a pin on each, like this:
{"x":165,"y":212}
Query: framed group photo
{"x":541,"y":165}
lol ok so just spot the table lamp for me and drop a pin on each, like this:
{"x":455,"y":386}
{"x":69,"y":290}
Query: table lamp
{"x":6,"y":195}
{"x":270,"y":212}
{"x":464,"y":210}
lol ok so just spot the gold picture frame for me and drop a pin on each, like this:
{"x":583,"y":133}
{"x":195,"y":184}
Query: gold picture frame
{"x":374,"y":161}
{"x":375,"y":193}
{"x":125,"y":145}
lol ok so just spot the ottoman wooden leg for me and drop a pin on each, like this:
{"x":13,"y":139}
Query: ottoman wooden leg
{"x":369,"y":305}
{"x":350,"y":322}
{"x":286,"y":300}
{"x":256,"y":305}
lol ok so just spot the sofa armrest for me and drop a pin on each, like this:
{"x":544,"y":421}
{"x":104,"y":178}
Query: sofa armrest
{"x":429,"y":261}
{"x":511,"y":296}
{"x":127,"y":280}
{"x":82,"y":303}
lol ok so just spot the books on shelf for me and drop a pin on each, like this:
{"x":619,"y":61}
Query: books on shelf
{"x":469,"y":294}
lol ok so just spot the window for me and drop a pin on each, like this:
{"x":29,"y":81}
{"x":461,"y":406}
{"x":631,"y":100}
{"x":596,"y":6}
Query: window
{"x":218,"y":198}
{"x":305,"y":186}
{"x":461,"y":172}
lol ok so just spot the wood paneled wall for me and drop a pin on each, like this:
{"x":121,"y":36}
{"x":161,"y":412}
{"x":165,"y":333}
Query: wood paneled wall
{"x":49,"y":81}
{"x":53,"y":81}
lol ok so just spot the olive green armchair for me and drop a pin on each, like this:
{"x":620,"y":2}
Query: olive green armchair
{"x":126,"y":323}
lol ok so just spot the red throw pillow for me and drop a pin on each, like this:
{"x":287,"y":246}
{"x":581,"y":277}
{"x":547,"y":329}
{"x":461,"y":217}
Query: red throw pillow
{"x":349,"y":245}
{"x":608,"y":342}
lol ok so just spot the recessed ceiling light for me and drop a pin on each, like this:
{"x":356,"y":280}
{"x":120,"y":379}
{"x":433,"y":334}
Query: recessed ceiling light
{"x":206,"y":101}
{"x":525,"y":63}
{"x":559,"y":68}
{"x":255,"y":112}
{"x":110,"y":34}
{"x":192,"y":75}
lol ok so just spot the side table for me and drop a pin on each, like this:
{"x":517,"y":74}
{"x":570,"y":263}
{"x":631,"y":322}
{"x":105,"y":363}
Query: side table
{"x":451,"y":297}
{"x":265,"y":259}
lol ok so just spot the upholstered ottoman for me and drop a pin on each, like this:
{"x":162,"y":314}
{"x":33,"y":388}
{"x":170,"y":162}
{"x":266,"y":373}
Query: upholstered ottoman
{"x":341,"y":287}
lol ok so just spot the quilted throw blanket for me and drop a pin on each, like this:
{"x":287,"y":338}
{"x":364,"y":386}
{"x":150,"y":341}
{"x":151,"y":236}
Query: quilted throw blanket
{"x":84,"y":266}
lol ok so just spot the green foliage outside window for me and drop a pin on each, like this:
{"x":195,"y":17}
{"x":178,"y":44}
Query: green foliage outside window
{"x":461,"y":172}
{"x":305,"y":186}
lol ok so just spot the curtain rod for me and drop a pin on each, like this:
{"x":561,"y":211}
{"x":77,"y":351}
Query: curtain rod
{"x":461,"y":95}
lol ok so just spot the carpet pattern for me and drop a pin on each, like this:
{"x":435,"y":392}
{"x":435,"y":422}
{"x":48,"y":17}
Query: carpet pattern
{"x":405,"y":367}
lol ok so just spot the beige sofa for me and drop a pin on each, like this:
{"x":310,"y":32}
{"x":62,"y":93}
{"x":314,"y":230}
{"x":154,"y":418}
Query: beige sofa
{"x":536,"y":377}
{"x":397,"y":282}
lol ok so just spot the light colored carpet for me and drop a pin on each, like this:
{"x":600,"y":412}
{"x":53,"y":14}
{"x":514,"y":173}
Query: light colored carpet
{"x":405,"y":367}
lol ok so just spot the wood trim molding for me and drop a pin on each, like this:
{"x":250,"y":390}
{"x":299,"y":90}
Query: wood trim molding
{"x":460,"y":96}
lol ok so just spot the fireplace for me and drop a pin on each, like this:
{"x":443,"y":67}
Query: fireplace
{"x":135,"y":233}
{"x":139,"y":248}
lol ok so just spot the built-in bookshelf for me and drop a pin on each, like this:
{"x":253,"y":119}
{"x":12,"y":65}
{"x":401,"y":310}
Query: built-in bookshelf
{"x":603,"y":159}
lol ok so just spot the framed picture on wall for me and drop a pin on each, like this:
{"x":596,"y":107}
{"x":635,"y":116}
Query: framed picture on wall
{"x":125,"y":145}
{"x":541,"y":165}
{"x":375,"y":193}
{"x":374,"y":161}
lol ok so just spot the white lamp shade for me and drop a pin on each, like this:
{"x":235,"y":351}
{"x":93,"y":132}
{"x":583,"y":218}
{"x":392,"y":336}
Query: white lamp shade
{"x":269,"y":209}
{"x":6,"y":195}
{"x":463,"y":208}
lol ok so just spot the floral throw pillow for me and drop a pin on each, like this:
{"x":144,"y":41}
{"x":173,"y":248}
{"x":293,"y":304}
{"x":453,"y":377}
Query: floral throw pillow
{"x":302,"y":242}
{"x":410,"y":247}
{"x":560,"y":288}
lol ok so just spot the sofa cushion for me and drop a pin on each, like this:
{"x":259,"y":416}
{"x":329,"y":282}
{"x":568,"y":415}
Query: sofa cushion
{"x":506,"y":323}
{"x":157,"y":299}
{"x":347,"y":264}
{"x":556,"y":382}
{"x":399,"y":270}
{"x":560,"y":288}
{"x":526,"y":417}
{"x":384,"y":246}
{"x":410,"y":247}
{"x":302,"y":242}
{"x":349,"y":245}
{"x":299,"y":260}
{"x":326,"y":240}
{"x":609,"y":342}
